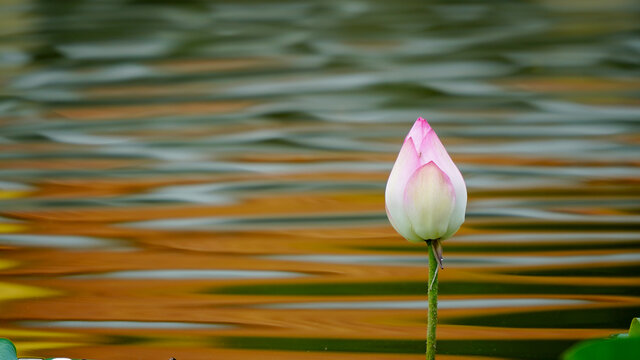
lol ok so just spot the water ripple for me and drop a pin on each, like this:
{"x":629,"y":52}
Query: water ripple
{"x":86,"y":324}
{"x":422,"y":304}
{"x":183,"y":274}
{"x":461,"y":261}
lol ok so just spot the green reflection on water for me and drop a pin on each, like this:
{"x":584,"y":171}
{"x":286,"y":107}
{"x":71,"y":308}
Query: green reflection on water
{"x":418,"y":288}
{"x":602,"y":318}
{"x":618,"y":271}
{"x":515,"y":349}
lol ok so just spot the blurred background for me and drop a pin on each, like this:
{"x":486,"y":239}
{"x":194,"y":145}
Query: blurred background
{"x":205,"y":179}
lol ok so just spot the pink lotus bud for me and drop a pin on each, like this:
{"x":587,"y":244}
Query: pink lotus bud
{"x":426,"y":196}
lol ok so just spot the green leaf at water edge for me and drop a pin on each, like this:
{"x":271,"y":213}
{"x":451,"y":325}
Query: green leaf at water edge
{"x":634,"y":329}
{"x":7,"y":350}
{"x":616,"y":348}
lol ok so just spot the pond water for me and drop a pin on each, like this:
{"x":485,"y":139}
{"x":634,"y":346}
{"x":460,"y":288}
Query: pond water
{"x":204,"y":180}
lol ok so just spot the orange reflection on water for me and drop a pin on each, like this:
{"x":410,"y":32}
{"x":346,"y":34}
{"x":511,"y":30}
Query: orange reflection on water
{"x":211,"y":185}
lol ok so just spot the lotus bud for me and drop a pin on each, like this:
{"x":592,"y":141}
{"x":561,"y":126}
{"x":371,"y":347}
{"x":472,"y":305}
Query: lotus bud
{"x":426,"y":196}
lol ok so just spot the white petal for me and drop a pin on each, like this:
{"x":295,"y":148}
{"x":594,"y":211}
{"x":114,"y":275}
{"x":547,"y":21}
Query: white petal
{"x":406,"y":163}
{"x":429,"y":201}
{"x":431,"y":149}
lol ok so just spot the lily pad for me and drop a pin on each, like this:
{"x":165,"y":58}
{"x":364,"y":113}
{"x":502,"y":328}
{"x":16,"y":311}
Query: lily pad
{"x":616,"y":348}
{"x":7,"y":350}
{"x":634,"y":329}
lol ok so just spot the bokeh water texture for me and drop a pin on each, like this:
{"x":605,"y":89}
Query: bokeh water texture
{"x":205,"y":180}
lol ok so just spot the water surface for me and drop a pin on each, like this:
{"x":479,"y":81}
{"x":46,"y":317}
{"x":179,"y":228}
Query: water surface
{"x":205,"y":180}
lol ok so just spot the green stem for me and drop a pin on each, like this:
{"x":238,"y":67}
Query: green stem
{"x":433,"y":302}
